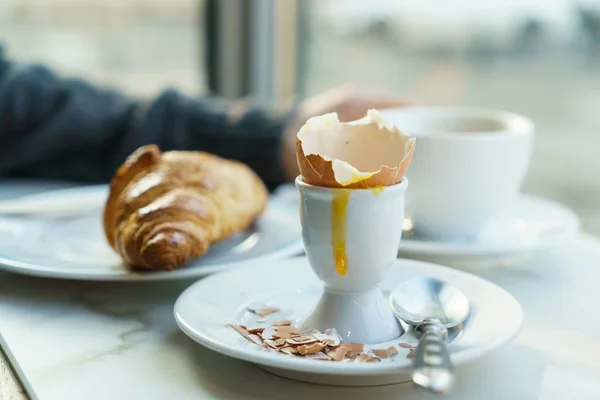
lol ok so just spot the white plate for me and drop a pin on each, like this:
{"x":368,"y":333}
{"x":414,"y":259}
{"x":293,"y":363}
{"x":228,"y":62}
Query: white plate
{"x":531,"y":224}
{"x":59,"y":202}
{"x":203,"y":310}
{"x":75,"y":247}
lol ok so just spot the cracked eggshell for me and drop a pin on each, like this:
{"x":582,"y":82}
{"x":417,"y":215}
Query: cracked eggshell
{"x":366,"y":153}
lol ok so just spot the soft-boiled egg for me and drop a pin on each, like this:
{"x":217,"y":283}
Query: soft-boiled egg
{"x":366,"y":153}
{"x":369,"y":153}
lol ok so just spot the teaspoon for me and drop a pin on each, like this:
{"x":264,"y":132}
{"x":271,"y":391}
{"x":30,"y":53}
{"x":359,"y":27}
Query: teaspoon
{"x":432,"y":307}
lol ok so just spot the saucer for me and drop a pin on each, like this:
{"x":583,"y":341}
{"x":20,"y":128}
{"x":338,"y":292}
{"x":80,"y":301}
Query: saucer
{"x":204,"y":309}
{"x":529,"y":225}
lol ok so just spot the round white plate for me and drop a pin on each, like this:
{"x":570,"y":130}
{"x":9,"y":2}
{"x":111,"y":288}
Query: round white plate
{"x":74,"y":247}
{"x":57,"y":202}
{"x":203,"y":310}
{"x":531,"y":224}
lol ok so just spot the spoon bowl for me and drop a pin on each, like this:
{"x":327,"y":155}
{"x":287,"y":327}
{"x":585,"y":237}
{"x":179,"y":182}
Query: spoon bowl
{"x":432,"y":307}
{"x":416,"y":299}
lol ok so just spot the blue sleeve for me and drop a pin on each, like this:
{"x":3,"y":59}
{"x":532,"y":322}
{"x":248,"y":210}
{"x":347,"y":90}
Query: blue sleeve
{"x":57,"y":128}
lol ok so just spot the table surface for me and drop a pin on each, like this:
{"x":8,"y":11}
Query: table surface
{"x":10,"y":387}
{"x":76,"y":340}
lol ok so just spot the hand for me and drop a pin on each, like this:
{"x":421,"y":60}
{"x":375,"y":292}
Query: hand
{"x":349,"y":102}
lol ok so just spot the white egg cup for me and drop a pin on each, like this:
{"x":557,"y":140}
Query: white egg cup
{"x":353,"y":303}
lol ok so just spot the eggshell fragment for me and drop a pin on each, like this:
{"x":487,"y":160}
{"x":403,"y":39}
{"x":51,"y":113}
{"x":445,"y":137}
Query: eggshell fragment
{"x":275,"y":344}
{"x":256,"y":339}
{"x":318,"y":356}
{"x":288,"y":329}
{"x":365,"y":358}
{"x":267,"y":310}
{"x":339,"y":353}
{"x":268,"y":333}
{"x":289,"y":350}
{"x":330,"y":337}
{"x":312,"y":348}
{"x":282,"y":335}
{"x":385,"y":353}
{"x":354,"y":348}
{"x":301,"y":340}
{"x":311,"y":332}
{"x":241,"y":329}
{"x":262,"y":310}
{"x":366,"y":153}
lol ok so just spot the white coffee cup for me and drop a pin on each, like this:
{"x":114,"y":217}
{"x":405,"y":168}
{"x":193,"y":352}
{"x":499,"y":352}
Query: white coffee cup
{"x":468,"y":166}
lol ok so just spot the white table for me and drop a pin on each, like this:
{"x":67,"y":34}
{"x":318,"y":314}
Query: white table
{"x":77,"y":340}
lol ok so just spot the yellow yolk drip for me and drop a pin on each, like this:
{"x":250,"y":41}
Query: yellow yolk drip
{"x":339,"y":207}
{"x":377,"y":190}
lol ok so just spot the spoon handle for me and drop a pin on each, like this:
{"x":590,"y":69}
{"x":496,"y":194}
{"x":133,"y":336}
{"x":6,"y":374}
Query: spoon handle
{"x":432,"y":368}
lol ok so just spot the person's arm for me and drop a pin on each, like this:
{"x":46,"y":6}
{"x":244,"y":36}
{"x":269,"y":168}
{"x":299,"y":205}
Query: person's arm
{"x":51,"y":127}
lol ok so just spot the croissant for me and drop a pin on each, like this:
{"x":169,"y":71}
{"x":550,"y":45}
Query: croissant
{"x":165,"y":209}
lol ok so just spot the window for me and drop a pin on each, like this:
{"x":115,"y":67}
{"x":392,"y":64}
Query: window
{"x":539,"y":59}
{"x":140,"y":46}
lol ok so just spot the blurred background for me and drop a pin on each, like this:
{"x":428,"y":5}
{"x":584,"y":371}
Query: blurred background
{"x":537,"y":58}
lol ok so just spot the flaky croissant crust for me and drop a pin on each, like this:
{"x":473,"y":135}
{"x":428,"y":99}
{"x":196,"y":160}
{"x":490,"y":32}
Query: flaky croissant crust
{"x":165,"y":209}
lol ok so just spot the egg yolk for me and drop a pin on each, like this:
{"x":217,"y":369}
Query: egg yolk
{"x":377,"y":190}
{"x":339,"y":208}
